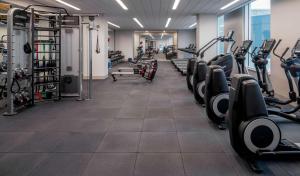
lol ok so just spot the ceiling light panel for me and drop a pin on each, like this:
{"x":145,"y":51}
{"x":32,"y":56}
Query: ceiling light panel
{"x":229,"y":4}
{"x":168,"y":22}
{"x":192,"y":25}
{"x":138,"y":22}
{"x":117,"y":26}
{"x":175,"y":5}
{"x":67,"y":4}
{"x":121,"y":3}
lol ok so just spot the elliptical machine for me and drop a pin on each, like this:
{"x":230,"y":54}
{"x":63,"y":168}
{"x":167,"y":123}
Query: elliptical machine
{"x":253,"y":133}
{"x":260,"y":60}
{"x":217,"y":90}
{"x":190,"y":73}
{"x":200,"y":69}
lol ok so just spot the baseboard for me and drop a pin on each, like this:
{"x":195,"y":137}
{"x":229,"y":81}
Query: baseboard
{"x":96,"y":77}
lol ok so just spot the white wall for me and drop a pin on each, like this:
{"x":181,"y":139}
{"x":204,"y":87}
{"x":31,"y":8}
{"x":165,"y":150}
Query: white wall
{"x":185,"y":38}
{"x":235,"y":21}
{"x":100,"y":61}
{"x":284,"y":25}
{"x":206,"y":31}
{"x":124,"y":42}
{"x":136,"y":39}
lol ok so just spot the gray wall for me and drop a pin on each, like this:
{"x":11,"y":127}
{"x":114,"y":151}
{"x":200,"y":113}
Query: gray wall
{"x":284,"y":25}
{"x":185,"y":38}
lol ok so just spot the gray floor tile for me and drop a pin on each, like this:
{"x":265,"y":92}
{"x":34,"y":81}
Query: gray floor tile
{"x":62,"y":165}
{"x":188,"y":111}
{"x":9,"y":140}
{"x":159,"y":124}
{"x":192,"y":124}
{"x":81,"y":125}
{"x":159,"y":113}
{"x":19,"y":164}
{"x":40,"y":142}
{"x":127,"y":124}
{"x":199,"y":142}
{"x":159,"y":165}
{"x":79,"y":142}
{"x":111,"y":165}
{"x":159,"y":142}
{"x":208,"y":165}
{"x":132,"y":112}
{"x":120,"y":142}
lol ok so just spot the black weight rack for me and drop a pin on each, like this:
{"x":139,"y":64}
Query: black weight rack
{"x":46,"y":56}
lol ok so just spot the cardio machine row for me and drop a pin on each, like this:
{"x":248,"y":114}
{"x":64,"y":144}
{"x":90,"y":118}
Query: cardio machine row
{"x":246,"y":105}
{"x":181,"y":64}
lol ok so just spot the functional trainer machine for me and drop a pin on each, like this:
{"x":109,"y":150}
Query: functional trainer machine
{"x":37,"y":69}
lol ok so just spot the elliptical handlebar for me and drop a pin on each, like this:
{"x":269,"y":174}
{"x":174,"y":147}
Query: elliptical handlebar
{"x":252,"y":54}
{"x":228,"y":38}
{"x":281,"y":57}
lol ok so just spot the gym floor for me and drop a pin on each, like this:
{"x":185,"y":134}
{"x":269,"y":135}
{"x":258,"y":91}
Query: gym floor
{"x":130,"y":128}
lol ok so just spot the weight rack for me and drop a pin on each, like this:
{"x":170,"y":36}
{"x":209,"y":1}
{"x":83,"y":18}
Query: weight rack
{"x":46,"y":64}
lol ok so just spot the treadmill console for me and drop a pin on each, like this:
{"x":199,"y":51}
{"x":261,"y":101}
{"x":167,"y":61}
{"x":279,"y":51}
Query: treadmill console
{"x":297,"y":48}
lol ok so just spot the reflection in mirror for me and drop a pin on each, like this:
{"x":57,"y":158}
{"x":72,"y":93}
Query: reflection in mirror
{"x":161,"y":45}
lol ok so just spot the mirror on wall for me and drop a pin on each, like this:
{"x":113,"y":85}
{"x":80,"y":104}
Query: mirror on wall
{"x":155,"y":43}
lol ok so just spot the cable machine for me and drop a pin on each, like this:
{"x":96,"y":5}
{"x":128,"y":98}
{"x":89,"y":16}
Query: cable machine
{"x":37,"y":69}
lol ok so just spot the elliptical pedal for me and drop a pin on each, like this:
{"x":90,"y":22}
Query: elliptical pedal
{"x":253,"y":165}
{"x":222,"y":126}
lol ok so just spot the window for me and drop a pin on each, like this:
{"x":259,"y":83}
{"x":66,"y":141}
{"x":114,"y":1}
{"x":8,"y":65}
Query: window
{"x":220,"y":33}
{"x":257,"y":23}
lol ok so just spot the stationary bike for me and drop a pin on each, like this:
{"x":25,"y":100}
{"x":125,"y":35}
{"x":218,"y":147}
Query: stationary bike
{"x":217,"y":86}
{"x":201,"y":66}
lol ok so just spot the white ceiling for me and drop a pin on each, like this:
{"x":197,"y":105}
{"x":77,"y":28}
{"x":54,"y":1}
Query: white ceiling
{"x":152,"y":14}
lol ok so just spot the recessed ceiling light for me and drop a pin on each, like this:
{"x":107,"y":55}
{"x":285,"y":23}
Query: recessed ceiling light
{"x":229,"y":4}
{"x":192,"y":25}
{"x":117,"y":26}
{"x":138,"y":22}
{"x":176,"y":2}
{"x":67,"y":4}
{"x":168,"y":22}
{"x":121,"y":3}
{"x":151,"y":36}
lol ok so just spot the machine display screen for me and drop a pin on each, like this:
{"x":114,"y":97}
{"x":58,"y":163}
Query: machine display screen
{"x":297,"y":47}
{"x":247,"y":44}
{"x":269,"y":44}
{"x":230,"y":34}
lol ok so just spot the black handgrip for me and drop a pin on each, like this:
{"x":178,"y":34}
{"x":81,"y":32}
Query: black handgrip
{"x":253,"y":52}
{"x":281,"y":57}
